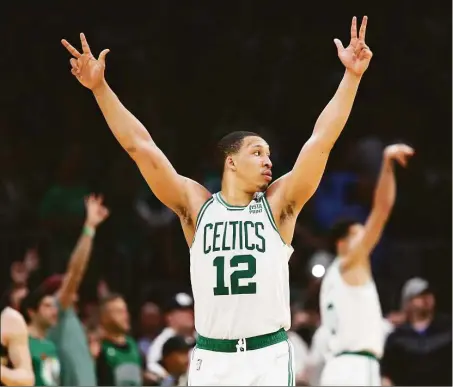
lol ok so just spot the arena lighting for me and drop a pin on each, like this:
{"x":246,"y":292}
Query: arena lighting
{"x":318,"y":271}
{"x":318,"y":263}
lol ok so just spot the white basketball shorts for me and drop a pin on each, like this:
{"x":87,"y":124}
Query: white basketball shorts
{"x":272,"y":365}
{"x":351,"y":370}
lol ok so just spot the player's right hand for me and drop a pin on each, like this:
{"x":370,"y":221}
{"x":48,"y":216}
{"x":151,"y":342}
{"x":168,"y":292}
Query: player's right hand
{"x":88,"y":70}
{"x":399,"y":152}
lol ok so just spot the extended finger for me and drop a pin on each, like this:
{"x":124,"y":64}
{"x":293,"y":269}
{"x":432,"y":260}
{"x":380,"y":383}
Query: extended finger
{"x":354,"y":28}
{"x":73,"y":51}
{"x":85,"y":46}
{"x":102,"y":55}
{"x":409,"y":150}
{"x":339,"y":45}
{"x":362,"y":31}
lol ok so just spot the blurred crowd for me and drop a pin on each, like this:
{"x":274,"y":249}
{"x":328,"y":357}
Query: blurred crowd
{"x":191,"y":72}
{"x":99,"y":343}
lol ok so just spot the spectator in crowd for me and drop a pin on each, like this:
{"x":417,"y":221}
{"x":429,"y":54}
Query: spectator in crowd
{"x":150,"y":325}
{"x":69,"y":334}
{"x":40,"y":312}
{"x":15,"y":294}
{"x":180,"y":321}
{"x":175,"y":361}
{"x":119,"y":362}
{"x":419,"y":352}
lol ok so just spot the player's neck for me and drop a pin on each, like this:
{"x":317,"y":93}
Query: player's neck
{"x":234,"y":195}
{"x":36,"y":331}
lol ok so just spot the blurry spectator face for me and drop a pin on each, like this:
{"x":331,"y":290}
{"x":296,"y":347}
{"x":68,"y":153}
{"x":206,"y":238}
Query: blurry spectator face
{"x":46,"y":315}
{"x":181,"y":320}
{"x":300,"y":318}
{"x":19,"y":273}
{"x":150,"y":318}
{"x":177,"y":362}
{"x":422,"y":305}
{"x":115,"y":316}
{"x":175,"y":355}
{"x":17,"y":294}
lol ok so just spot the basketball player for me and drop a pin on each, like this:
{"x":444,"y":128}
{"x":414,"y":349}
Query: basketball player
{"x":239,"y":238}
{"x":349,"y":302}
{"x":16,"y":368}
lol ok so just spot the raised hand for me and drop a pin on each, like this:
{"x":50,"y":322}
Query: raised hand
{"x":357,"y":55}
{"x":88,"y":70}
{"x":96,"y":212}
{"x":399,"y":152}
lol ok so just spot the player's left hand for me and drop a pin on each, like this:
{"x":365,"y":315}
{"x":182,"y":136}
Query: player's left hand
{"x":96,"y":212}
{"x":399,"y":152}
{"x":355,"y":57}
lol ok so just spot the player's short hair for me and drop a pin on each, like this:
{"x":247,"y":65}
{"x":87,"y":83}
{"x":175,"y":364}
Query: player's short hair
{"x":33,"y":300}
{"x":340,"y":230}
{"x":231,"y":144}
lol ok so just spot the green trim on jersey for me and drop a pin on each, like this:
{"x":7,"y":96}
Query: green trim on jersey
{"x":202,"y":211}
{"x":368,"y":354}
{"x":290,"y":366}
{"x":267,"y":207}
{"x":203,"y":208}
{"x":228,"y":206}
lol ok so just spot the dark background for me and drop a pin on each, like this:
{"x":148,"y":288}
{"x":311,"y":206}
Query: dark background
{"x":192,"y":71}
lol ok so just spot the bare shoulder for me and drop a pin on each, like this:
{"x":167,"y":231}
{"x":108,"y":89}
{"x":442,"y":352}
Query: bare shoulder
{"x":13,"y":323}
{"x":10,"y":315}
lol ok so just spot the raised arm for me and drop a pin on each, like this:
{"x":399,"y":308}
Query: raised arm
{"x":22,"y":373}
{"x":384,"y":199}
{"x":96,"y":213}
{"x":295,"y":188}
{"x":169,"y":187}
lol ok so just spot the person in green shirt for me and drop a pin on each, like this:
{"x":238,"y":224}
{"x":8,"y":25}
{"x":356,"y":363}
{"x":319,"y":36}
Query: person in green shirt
{"x":40,"y":311}
{"x":69,"y":336}
{"x":119,"y":362}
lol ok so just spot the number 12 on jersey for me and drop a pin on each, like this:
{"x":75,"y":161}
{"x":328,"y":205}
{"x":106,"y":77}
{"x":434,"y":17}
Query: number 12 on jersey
{"x":221,"y":289}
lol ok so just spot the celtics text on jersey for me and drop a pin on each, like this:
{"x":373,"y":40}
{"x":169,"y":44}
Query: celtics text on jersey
{"x":239,"y":270}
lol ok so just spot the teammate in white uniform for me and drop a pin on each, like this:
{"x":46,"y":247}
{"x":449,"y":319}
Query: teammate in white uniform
{"x":240,"y":238}
{"x":349,"y":301}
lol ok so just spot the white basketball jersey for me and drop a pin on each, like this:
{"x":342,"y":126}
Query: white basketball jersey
{"x":239,"y":271}
{"x":352,"y":314}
